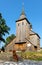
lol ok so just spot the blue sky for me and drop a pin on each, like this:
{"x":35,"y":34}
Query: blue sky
{"x":11,"y":10}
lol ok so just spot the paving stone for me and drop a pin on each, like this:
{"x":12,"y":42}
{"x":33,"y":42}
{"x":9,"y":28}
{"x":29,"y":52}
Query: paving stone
{"x":25,"y":62}
{"x":1,"y":63}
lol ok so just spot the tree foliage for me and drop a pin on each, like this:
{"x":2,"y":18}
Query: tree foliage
{"x":10,"y":38}
{"x":3,"y":28}
{"x":3,"y":49}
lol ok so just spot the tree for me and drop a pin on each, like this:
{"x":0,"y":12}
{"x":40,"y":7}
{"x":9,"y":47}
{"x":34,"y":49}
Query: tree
{"x":3,"y":28}
{"x":10,"y":38}
{"x":3,"y":49}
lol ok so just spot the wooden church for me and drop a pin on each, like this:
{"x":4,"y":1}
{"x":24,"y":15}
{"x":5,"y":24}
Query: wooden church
{"x":26,"y":39}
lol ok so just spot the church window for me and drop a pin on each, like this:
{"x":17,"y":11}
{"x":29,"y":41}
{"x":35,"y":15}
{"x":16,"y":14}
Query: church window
{"x":18,"y":24}
{"x":35,"y":46}
{"x":26,"y":23}
{"x":22,"y":23}
{"x":19,"y":40}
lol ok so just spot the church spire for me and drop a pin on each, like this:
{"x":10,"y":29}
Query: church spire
{"x":22,"y":13}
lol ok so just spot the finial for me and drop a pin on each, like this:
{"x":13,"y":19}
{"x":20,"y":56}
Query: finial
{"x":23,"y":13}
{"x":23,"y":6}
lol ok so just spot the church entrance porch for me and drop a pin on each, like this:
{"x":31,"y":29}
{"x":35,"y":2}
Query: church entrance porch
{"x":21,"y":46}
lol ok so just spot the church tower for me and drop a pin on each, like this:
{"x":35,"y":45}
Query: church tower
{"x":22,"y":31}
{"x":22,"y":28}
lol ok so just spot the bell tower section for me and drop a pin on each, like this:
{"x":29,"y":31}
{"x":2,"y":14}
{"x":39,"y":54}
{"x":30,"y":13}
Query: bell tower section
{"x":22,"y":31}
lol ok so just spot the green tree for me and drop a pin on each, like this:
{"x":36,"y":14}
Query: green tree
{"x":3,"y":28}
{"x":3,"y":49}
{"x":10,"y":38}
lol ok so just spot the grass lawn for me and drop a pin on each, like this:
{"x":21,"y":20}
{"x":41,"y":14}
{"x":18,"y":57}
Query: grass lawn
{"x":25,"y":55}
{"x":31,"y":55}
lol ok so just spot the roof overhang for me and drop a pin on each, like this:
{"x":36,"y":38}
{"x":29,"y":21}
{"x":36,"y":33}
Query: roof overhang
{"x":23,"y":19}
{"x":34,"y":34}
{"x":20,"y":42}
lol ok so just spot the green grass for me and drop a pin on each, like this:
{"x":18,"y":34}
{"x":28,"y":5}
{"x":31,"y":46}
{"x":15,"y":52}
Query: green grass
{"x":37,"y":56}
{"x":32,"y":55}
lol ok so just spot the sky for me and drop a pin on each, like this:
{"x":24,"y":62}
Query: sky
{"x":11,"y":10}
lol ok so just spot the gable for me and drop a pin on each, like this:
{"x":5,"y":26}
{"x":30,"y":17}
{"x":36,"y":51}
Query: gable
{"x":33,"y":33}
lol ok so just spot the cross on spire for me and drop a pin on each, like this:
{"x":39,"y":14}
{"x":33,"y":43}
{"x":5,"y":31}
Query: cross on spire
{"x":23,"y":13}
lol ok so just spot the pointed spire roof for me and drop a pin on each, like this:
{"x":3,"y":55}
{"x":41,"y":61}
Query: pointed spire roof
{"x":22,"y":13}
